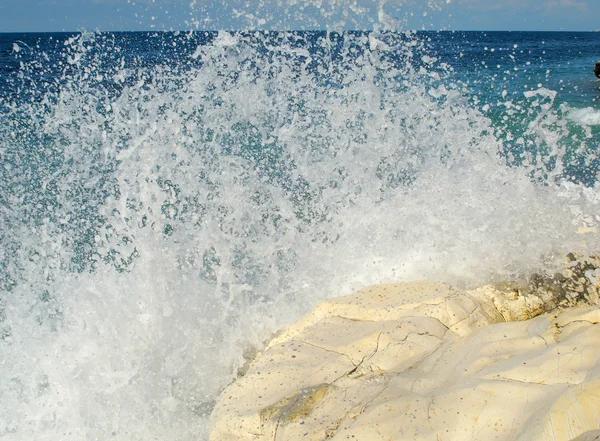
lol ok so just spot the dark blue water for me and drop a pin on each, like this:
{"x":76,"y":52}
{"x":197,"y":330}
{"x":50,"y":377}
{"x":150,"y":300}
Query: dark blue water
{"x":487,"y":61}
{"x":516,"y":61}
{"x":167,"y":199}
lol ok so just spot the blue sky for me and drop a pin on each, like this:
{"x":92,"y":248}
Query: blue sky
{"x":69,"y":15}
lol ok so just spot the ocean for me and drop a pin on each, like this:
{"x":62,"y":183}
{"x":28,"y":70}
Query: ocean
{"x":170,"y":199}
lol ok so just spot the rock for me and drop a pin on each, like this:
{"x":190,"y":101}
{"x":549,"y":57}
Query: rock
{"x":426,"y":361}
{"x":597,"y":69}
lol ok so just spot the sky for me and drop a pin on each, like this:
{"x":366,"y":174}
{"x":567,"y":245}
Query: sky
{"x":124,"y":15}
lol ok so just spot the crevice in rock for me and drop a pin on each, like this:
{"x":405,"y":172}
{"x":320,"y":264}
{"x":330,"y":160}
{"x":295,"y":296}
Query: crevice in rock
{"x":429,"y":413}
{"x":469,"y":314}
{"x":441,"y":323}
{"x":331,"y":431}
{"x":576,"y":321}
{"x":513,"y":380}
{"x":332,"y":351}
{"x":355,"y":319}
{"x":545,"y":341}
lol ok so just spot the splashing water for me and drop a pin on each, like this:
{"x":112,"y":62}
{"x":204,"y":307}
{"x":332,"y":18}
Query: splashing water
{"x":161,"y":215}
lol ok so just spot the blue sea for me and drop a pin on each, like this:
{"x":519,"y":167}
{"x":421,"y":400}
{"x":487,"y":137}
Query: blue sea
{"x":170,"y":199}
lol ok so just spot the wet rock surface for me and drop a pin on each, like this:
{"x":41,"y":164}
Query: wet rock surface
{"x":426,"y":361}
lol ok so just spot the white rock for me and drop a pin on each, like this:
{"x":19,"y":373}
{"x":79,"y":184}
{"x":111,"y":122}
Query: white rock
{"x":423,"y":361}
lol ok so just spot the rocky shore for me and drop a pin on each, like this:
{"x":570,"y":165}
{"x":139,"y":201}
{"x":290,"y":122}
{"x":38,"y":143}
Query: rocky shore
{"x":426,"y":361}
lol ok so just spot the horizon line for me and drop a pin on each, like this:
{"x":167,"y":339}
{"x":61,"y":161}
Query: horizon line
{"x":289,"y":30}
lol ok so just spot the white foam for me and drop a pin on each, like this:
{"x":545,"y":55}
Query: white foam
{"x":586,"y":116}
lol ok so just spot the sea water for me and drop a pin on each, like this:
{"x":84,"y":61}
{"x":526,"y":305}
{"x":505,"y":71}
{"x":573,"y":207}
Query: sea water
{"x":169,"y":199}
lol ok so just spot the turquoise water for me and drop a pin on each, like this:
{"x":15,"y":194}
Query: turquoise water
{"x":168,"y":199}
